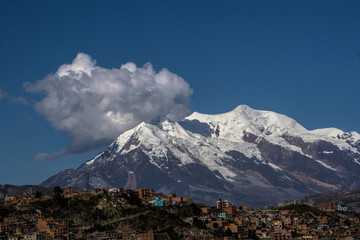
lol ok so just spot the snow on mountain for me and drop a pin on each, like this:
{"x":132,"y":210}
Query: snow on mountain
{"x":242,"y":155}
{"x":244,"y":118}
{"x":271,"y":126}
{"x":352,"y":138}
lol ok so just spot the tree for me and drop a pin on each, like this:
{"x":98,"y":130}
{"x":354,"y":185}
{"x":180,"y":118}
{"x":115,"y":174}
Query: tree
{"x":57,"y":192}
{"x":38,"y":194}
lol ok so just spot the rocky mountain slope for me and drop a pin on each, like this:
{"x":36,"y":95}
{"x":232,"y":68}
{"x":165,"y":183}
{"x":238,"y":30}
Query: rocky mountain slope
{"x":246,"y":156}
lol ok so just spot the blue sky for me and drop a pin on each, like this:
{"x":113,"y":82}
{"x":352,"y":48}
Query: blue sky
{"x":299,"y":58}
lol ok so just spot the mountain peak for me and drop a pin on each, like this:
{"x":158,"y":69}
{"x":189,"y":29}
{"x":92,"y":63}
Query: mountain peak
{"x":160,"y":120}
{"x":243,"y":107}
{"x":244,"y":151}
{"x":233,"y":124}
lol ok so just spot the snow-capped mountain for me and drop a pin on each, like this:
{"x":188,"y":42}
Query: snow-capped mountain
{"x":246,"y":156}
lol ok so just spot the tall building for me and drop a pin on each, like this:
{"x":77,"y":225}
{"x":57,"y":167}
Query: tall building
{"x":221,"y":204}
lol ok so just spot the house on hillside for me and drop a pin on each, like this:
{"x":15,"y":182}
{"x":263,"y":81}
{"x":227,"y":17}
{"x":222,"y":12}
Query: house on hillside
{"x":157,"y":202}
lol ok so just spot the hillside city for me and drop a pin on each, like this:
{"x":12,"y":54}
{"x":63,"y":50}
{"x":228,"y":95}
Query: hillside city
{"x":145,"y":214}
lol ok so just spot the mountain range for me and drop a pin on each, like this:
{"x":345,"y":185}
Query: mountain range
{"x":247,"y":156}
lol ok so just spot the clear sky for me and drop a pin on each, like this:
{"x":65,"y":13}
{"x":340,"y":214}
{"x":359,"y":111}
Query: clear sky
{"x":299,"y":58}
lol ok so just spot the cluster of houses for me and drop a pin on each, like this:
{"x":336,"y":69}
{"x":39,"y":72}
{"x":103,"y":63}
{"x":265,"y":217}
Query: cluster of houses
{"x":32,"y":227}
{"x":334,"y":222}
{"x":147,"y":196}
{"x":37,"y":227}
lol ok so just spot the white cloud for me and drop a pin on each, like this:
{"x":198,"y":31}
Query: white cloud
{"x":94,"y":104}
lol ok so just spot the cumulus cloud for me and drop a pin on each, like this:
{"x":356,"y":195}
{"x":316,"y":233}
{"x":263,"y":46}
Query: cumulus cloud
{"x":94,"y":104}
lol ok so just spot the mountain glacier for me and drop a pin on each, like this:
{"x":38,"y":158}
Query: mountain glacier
{"x":247,"y":156}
